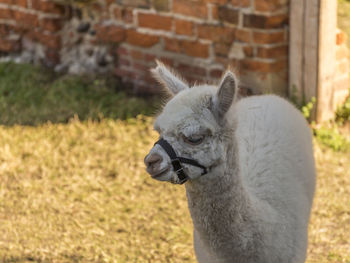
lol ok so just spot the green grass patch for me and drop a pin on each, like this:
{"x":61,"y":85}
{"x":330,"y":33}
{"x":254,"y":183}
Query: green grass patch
{"x":29,"y":96}
{"x":343,"y":112}
{"x":331,"y":137}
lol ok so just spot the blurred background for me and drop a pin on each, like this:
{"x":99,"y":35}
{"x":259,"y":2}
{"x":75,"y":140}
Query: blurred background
{"x":77,"y":103}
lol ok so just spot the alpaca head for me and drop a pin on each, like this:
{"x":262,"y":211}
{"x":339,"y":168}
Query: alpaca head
{"x":193,"y":122}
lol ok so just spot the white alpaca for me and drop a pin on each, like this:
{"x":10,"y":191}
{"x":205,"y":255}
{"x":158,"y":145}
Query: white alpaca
{"x":254,"y":202}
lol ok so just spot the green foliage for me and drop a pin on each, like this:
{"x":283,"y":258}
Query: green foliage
{"x":332,"y":138}
{"x":307,"y":108}
{"x":301,"y":103}
{"x":328,"y":136}
{"x":343,"y":112}
{"x":30,"y":96}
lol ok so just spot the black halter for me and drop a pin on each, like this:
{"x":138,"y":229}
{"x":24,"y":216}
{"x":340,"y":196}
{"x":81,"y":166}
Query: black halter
{"x":176,"y":161}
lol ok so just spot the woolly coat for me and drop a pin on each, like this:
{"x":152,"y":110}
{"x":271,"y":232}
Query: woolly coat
{"x":255,"y":207}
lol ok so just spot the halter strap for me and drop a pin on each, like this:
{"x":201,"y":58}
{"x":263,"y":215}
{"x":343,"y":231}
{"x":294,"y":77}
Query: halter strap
{"x":176,"y":161}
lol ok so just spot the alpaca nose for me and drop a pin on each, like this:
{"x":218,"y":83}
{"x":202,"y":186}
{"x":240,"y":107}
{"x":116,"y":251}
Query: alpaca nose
{"x":152,"y":162}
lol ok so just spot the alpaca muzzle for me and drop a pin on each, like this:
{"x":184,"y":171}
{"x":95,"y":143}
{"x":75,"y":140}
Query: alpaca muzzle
{"x":176,"y":161}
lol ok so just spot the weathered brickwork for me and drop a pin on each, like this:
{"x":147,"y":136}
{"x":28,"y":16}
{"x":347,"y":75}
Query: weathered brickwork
{"x":198,"y":38}
{"x":341,"y":83}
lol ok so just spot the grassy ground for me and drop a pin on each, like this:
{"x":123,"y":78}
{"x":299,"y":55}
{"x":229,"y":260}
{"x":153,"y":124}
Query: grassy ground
{"x":30,"y":96}
{"x":77,"y":192}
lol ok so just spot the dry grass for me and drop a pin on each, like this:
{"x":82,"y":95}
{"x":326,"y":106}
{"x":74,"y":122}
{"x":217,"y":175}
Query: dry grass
{"x":330,"y":222}
{"x":78,"y":192}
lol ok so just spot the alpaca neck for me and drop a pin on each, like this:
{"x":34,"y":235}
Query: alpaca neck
{"x":221,"y":209}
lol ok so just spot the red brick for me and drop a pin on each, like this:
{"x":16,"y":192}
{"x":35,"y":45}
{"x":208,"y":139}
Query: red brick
{"x":110,"y":34}
{"x":342,"y":52}
{"x":341,"y":38}
{"x":262,"y":66}
{"x":248,"y":51}
{"x":167,"y":61}
{"x":135,"y":54}
{"x":183,"y":27}
{"x":150,"y":57}
{"x":269,"y":5}
{"x":51,"y":24}
{"x":98,"y":8}
{"x":222,"y":49}
{"x":264,"y":21}
{"x":48,"y":7}
{"x":222,"y":60}
{"x":123,"y":62}
{"x":191,"y":70}
{"x":25,"y":19}
{"x":7,"y":45}
{"x":21,"y":3}
{"x":6,"y":13}
{"x":7,"y":2}
{"x":195,"y":49}
{"x":220,"y":2}
{"x":216,"y":33}
{"x":155,"y":21}
{"x":243,"y":35}
{"x":190,"y":8}
{"x":48,"y":40}
{"x":140,"y":67}
{"x":140,"y":39}
{"x":123,"y":14}
{"x":241,"y":3}
{"x":216,"y":73}
{"x":215,"y":12}
{"x":190,"y":48}
{"x":228,"y":15}
{"x":109,"y":2}
{"x":268,"y":37}
{"x":122,"y":51}
{"x":274,"y":52}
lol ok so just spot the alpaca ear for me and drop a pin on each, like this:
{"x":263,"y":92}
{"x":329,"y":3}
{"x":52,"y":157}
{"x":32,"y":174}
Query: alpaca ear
{"x":226,"y":94}
{"x":168,"y":79}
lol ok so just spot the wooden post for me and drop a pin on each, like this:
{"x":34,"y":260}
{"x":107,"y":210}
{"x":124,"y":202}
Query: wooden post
{"x":313,"y":26}
{"x":327,"y":56}
{"x":296,"y":47}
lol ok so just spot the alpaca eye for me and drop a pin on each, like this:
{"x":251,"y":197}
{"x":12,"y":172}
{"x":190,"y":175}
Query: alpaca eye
{"x":194,"y":140}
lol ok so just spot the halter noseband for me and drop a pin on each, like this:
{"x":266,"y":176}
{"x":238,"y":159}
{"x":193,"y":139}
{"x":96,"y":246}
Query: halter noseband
{"x":176,"y":161}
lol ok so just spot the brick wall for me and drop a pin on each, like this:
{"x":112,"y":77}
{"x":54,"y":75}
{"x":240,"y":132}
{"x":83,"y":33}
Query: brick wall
{"x":199,"y":38}
{"x":31,"y":20}
{"x":340,"y":89}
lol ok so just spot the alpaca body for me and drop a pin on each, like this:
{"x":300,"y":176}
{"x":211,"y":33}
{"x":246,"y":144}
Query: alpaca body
{"x":253,"y":205}
{"x":276,"y":173}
